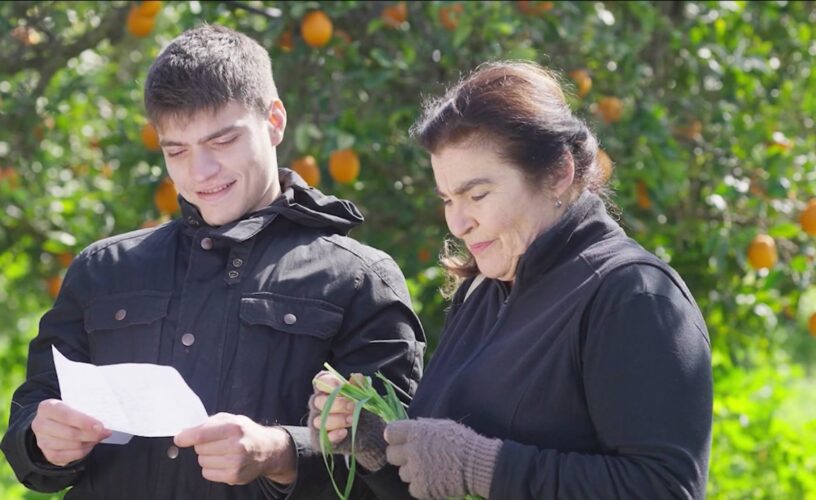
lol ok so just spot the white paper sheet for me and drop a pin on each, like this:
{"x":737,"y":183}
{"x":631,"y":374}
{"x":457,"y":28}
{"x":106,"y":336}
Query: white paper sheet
{"x":139,"y":399}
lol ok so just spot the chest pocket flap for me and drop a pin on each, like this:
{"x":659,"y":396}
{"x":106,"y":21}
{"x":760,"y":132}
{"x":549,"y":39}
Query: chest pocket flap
{"x":296,"y":315}
{"x":126,"y":309}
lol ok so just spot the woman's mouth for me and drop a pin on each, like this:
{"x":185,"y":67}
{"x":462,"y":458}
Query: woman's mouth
{"x":478,"y":248}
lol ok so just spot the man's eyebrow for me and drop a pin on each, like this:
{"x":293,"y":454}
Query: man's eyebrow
{"x":467,"y":186}
{"x":217,"y":133}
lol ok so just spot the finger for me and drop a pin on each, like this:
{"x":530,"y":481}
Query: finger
{"x":405,"y":475}
{"x":217,"y":461}
{"x":221,"y":476}
{"x":333,"y":421}
{"x":340,"y":405}
{"x":337,"y":435}
{"x":325,"y":382}
{"x":58,"y":411}
{"x":205,"y":433}
{"x":395,"y":454}
{"x":64,"y":457}
{"x":223,"y":447}
{"x":397,"y":432}
{"x":59,"y":430}
{"x":56,"y":444}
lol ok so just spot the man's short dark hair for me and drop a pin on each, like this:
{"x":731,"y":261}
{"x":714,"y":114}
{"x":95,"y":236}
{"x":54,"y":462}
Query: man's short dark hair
{"x":207,"y":68}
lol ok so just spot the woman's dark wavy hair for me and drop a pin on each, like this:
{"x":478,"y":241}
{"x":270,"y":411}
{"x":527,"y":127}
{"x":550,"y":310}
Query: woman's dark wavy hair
{"x":520,"y":108}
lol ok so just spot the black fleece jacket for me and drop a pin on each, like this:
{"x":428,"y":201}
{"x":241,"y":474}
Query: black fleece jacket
{"x":594,"y":369}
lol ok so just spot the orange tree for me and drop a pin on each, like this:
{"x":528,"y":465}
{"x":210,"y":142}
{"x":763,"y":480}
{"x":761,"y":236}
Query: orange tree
{"x":706,"y":110}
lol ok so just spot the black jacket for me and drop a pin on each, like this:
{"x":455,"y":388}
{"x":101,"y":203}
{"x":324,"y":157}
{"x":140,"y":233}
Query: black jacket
{"x":594,"y":369}
{"x":263,"y":302}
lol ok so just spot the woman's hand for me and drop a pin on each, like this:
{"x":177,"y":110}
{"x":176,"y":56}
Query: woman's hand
{"x":340,"y":415}
{"x":441,"y":458}
{"x":369,"y":446}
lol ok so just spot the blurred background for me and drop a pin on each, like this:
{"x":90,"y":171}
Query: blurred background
{"x":704,"y":110}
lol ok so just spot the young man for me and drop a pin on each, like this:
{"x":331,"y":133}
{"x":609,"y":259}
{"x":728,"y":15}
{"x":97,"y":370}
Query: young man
{"x":246,"y":295}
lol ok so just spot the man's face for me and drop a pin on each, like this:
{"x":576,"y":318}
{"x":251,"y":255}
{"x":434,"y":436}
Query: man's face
{"x":225,"y":162}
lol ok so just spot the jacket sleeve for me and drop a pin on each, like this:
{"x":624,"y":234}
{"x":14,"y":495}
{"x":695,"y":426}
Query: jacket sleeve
{"x":648,"y":386}
{"x":63,"y":327}
{"x":380,"y":332}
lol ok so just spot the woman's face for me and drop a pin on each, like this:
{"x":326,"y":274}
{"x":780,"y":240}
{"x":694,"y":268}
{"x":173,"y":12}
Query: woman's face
{"x":491,"y":206}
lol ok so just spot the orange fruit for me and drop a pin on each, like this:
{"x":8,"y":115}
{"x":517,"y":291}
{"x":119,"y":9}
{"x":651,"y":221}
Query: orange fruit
{"x":307,"y":168}
{"x":26,"y":35}
{"x":812,"y":324}
{"x":139,"y":25}
{"x":150,"y":138}
{"x":316,"y":29}
{"x":582,"y":80}
{"x":424,"y":255}
{"x":148,"y":8}
{"x":692,"y":132}
{"x":762,"y":252}
{"x":611,"y":109}
{"x":10,"y":176}
{"x":53,"y":285}
{"x":285,"y":42}
{"x":642,"y":196}
{"x":533,"y":8}
{"x":395,"y":15}
{"x":165,"y":198}
{"x":65,"y":258}
{"x":344,"y":165}
{"x":808,"y":218}
{"x":449,"y":16}
{"x":605,"y":165}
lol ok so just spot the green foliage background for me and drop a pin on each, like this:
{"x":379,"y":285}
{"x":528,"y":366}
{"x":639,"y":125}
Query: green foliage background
{"x":74,"y":169}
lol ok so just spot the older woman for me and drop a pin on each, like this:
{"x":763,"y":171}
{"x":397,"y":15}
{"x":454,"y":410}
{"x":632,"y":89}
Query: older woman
{"x":573,"y":363}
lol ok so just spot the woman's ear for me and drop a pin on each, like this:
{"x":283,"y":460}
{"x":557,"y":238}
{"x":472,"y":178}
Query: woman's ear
{"x":564,"y":182}
{"x":277,"y":121}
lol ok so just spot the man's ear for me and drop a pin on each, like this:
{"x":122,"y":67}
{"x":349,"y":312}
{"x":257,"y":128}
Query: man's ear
{"x":277,"y":121}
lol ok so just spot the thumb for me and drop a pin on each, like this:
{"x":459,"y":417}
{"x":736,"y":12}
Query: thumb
{"x":186,"y":438}
{"x":397,"y":432}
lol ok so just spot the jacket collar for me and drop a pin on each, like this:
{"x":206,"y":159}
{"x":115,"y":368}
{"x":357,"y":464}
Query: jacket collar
{"x":297,"y":202}
{"x":584,"y":222}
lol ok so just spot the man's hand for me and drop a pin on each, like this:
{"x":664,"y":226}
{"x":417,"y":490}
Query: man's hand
{"x":63,"y":434}
{"x":233,"y":449}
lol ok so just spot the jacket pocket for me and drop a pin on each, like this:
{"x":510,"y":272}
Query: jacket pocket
{"x":283,"y":343}
{"x":291,"y":315}
{"x":126,"y":327}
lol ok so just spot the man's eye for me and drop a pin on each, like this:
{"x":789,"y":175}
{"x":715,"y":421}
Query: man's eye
{"x":445,"y":202}
{"x":173,"y":154}
{"x":227,"y":141}
{"x":477,"y":197}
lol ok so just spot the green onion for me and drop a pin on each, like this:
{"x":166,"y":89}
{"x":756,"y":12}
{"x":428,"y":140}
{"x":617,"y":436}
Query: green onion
{"x":365,"y":397}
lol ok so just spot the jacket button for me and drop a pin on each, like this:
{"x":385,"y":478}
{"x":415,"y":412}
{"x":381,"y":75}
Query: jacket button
{"x":207,"y":243}
{"x":192,"y":221}
{"x":120,"y":315}
{"x":237,"y":263}
{"x":289,"y":319}
{"x":188,"y":339}
{"x":233,"y":274}
{"x":172,"y":452}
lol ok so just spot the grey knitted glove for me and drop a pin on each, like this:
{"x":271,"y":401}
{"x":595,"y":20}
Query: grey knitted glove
{"x":441,"y":458}
{"x":369,"y":449}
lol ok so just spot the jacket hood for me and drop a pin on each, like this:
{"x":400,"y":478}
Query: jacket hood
{"x":309,"y":207}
